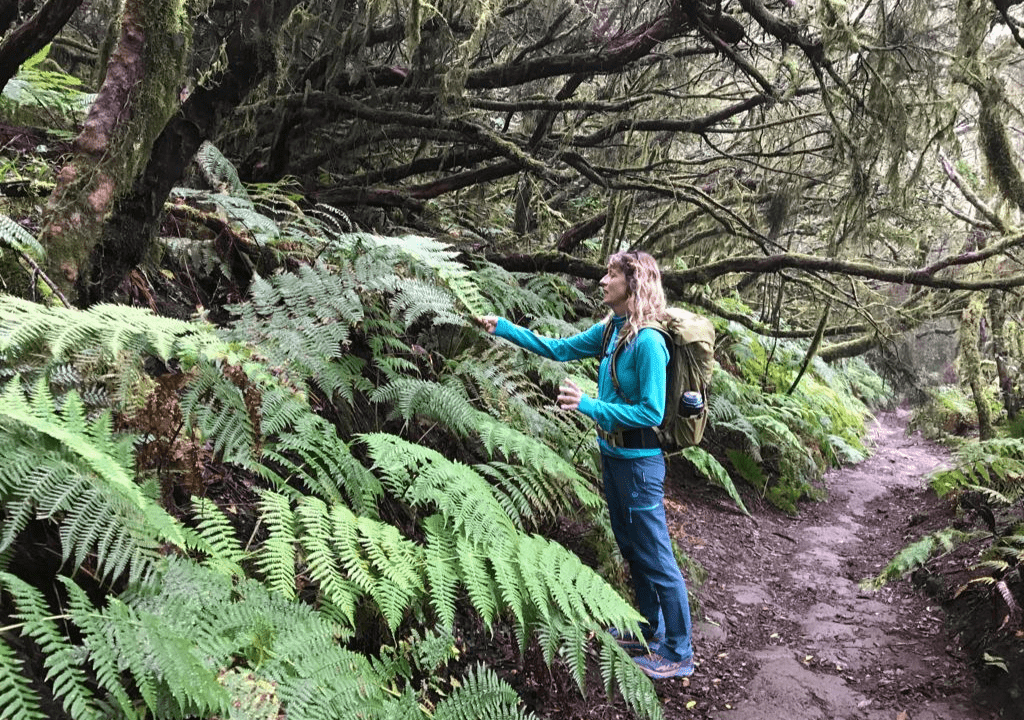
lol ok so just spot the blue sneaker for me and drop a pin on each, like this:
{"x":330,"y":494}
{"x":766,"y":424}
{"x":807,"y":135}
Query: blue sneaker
{"x":657,"y":667}
{"x":631,"y":643}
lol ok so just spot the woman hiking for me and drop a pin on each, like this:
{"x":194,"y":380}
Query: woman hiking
{"x":632,"y":463}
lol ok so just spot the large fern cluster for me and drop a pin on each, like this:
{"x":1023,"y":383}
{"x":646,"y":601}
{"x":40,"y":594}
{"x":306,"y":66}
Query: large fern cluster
{"x":987,"y":480}
{"x":392,"y":470}
{"x":276,"y":606}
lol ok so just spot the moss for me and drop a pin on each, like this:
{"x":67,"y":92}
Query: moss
{"x":14,"y":279}
{"x":111,"y":157}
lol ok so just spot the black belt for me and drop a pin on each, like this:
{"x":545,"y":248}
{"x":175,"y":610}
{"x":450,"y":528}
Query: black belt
{"x":632,"y":438}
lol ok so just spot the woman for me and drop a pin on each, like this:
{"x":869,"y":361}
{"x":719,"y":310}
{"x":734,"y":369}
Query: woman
{"x":632,"y":464}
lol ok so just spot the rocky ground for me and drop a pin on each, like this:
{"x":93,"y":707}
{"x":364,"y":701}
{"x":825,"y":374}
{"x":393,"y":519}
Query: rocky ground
{"x":787,"y":630}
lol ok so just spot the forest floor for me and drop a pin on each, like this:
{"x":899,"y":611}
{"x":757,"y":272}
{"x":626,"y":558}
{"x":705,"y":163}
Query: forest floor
{"x":785,"y":630}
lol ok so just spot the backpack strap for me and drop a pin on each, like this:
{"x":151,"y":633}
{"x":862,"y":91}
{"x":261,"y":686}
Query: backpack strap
{"x":620,"y":344}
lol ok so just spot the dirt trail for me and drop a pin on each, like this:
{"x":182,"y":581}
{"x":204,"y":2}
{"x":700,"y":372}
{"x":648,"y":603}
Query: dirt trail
{"x":790,"y":635}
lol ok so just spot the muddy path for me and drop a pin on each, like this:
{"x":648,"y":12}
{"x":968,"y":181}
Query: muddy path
{"x":787,"y":632}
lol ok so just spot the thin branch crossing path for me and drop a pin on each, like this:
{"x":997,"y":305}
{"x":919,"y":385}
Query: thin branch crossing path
{"x":787,"y":629}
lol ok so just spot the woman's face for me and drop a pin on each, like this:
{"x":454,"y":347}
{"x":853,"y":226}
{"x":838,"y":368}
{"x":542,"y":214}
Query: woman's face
{"x":616,"y":289}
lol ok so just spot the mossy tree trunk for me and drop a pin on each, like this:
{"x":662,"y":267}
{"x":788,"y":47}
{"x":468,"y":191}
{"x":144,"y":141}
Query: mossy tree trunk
{"x":970,"y":365}
{"x":140,"y":92}
{"x":249,"y":56}
{"x":1001,"y":350}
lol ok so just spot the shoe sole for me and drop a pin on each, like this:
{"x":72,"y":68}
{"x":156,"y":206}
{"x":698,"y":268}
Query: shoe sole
{"x":654,"y":674}
{"x":684,"y":671}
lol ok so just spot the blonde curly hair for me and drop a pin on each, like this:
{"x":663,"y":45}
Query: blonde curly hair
{"x":646,"y":302}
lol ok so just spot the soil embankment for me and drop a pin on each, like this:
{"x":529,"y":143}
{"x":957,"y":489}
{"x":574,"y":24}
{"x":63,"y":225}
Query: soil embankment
{"x":788,"y":632}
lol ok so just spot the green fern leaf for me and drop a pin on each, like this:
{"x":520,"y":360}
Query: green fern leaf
{"x":276,"y":559}
{"x":708,"y":466}
{"x":918,"y":553}
{"x":93,"y":448}
{"x":17,"y":698}
{"x":215,"y":537}
{"x":441,"y":568}
{"x":17,"y":238}
{"x":482,"y":695}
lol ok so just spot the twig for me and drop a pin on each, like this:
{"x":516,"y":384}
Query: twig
{"x":39,"y":271}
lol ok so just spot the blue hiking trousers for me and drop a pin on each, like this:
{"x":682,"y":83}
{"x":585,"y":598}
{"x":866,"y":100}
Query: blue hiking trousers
{"x":635,"y":489}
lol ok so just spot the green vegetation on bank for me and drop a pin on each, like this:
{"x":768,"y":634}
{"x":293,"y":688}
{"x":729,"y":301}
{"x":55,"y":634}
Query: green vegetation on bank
{"x":340,"y":481}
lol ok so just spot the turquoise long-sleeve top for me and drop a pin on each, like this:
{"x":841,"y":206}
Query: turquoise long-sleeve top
{"x":641,"y":372}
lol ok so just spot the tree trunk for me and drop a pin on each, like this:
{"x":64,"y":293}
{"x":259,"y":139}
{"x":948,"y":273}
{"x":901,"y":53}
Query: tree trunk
{"x":970,"y":366}
{"x":997,"y":315}
{"x":31,"y":36}
{"x":129,"y":233}
{"x":139,"y":93}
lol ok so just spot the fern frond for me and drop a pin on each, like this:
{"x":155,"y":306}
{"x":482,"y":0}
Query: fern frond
{"x":17,"y":238}
{"x":217,"y":409}
{"x":70,"y":684}
{"x":416,"y":299}
{"x":918,"y":553}
{"x":130,"y":521}
{"x":301,"y":321}
{"x":321,"y":555}
{"x":438,"y":259}
{"x":215,"y":537}
{"x":219,"y":171}
{"x":104,"y":330}
{"x":482,"y":695}
{"x":276,"y":559}
{"x":441,"y":568}
{"x":997,"y":464}
{"x":710,"y":468}
{"x":17,"y":698}
{"x":313,"y":454}
{"x":619,"y":670}
{"x":426,"y":479}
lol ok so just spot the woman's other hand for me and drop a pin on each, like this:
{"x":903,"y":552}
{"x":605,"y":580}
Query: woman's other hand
{"x":569,"y":394}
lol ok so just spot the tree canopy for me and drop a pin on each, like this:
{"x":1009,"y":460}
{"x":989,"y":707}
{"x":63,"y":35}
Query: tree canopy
{"x":794,"y":156}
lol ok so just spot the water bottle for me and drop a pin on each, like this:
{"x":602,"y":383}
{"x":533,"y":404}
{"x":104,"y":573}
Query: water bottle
{"x":691,"y":404}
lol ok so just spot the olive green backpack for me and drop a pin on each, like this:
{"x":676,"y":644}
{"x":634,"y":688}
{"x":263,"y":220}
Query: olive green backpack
{"x":691,"y":345}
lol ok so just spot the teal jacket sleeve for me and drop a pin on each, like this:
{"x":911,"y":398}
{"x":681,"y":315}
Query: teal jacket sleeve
{"x":586,"y":344}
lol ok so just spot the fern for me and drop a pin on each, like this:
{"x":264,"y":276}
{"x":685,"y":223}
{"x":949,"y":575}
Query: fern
{"x":425,"y":255}
{"x":17,"y":698}
{"x":217,"y":409}
{"x":43,"y":97}
{"x":447,"y":405}
{"x":303,"y":321}
{"x":546,"y":588}
{"x":481,"y":695}
{"x":17,"y":238}
{"x":997,"y":464}
{"x":310,"y":452}
{"x":918,"y":553}
{"x":710,"y":468}
{"x":215,"y":538}
{"x":219,"y":171}
{"x":106,"y":500}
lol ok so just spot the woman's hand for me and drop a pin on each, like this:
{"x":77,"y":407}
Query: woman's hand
{"x":569,"y":395}
{"x":488,"y":323}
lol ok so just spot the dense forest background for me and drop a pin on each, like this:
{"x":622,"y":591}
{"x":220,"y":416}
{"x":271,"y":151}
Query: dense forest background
{"x":258,"y":460}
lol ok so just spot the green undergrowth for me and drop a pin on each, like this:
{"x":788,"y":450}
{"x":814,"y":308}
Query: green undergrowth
{"x":948,"y":413}
{"x":986,"y":484}
{"x":305,"y":509}
{"x":782,"y":442}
